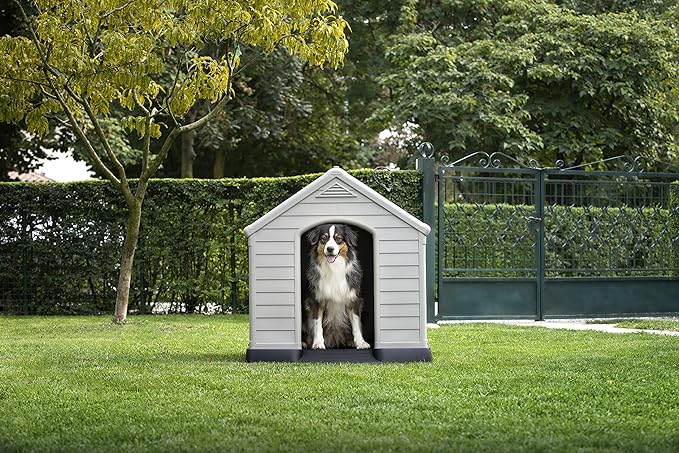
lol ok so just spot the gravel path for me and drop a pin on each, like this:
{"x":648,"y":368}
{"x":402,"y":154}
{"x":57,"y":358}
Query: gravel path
{"x":571,"y":324}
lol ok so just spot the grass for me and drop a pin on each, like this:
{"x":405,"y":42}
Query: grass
{"x":645,"y":324}
{"x":180,"y":383}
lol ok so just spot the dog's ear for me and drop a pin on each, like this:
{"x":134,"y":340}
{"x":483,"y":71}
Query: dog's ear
{"x":350,"y":237}
{"x":313,"y":235}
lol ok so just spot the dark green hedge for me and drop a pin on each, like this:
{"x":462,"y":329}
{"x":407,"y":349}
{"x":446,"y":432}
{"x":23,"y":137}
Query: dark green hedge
{"x":579,"y":241}
{"x":59,"y":243}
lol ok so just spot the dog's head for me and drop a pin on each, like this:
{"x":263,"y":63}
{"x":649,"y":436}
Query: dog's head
{"x":332,"y":240}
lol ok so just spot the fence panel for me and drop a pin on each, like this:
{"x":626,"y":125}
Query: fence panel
{"x":610,"y":243}
{"x":488,"y":253}
{"x":518,"y":241}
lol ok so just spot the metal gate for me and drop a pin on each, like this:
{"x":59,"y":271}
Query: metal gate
{"x":517,"y":241}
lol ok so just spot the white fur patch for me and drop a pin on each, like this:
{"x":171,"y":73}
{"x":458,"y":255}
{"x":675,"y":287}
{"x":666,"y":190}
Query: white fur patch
{"x":356,"y":332}
{"x":332,"y":285}
{"x":331,"y":244}
{"x":319,"y":341}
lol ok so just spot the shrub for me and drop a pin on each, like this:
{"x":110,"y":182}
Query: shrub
{"x":59,"y":243}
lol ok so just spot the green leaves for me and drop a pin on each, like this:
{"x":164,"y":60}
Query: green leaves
{"x":190,"y":228}
{"x":150,"y":57}
{"x":138,"y":124}
{"x":538,"y":79}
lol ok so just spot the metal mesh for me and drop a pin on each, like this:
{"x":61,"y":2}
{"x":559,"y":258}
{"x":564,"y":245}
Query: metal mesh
{"x":485,"y":229}
{"x":599,"y":226}
{"x":595,"y":224}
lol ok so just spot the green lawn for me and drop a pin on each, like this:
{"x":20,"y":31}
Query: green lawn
{"x":180,"y":383}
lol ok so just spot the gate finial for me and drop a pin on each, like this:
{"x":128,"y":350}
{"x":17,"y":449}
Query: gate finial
{"x":426,"y":149}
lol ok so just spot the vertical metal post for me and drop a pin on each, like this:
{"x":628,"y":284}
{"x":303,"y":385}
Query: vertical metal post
{"x":441,"y":235}
{"x":540,"y":241}
{"x":425,"y":165}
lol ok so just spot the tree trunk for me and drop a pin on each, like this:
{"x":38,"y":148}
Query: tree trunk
{"x":218,"y":166}
{"x":188,"y":154}
{"x":126,"y":262}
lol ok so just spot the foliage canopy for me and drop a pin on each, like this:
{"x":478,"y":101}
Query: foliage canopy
{"x":537,"y":78}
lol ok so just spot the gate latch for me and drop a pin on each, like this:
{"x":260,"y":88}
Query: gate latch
{"x":533,"y":219}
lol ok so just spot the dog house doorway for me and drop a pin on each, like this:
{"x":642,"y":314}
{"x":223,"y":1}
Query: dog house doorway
{"x":365,"y":256}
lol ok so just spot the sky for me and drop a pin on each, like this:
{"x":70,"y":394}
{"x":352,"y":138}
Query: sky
{"x":64,"y":168}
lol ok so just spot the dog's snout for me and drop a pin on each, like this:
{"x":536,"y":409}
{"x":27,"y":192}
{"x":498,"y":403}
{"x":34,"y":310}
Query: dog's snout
{"x":330,"y":249}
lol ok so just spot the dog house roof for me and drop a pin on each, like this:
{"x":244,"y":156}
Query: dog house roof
{"x":345,"y":182}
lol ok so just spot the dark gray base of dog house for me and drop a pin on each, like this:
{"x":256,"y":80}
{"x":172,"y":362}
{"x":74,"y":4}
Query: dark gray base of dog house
{"x":340,"y":355}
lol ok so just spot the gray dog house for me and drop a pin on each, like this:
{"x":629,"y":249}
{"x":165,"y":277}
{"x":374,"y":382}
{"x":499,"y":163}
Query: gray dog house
{"x":393,"y":259}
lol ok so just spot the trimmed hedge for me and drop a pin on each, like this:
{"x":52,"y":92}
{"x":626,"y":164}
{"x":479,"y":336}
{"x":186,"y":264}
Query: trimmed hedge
{"x":60,"y":243}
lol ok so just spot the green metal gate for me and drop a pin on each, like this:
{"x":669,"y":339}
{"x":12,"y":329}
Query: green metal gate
{"x":517,"y":241}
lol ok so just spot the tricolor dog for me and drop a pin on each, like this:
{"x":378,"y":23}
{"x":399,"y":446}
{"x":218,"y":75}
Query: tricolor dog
{"x":332,"y":311}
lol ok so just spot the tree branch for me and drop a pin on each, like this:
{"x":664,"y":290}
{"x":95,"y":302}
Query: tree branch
{"x":51,"y":72}
{"x":146,"y":144}
{"x":19,"y":79}
{"x":88,"y":145}
{"x":155,"y":164}
{"x":127,"y":193}
{"x":115,"y":10}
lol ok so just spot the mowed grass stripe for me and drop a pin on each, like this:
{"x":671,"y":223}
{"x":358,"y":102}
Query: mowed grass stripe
{"x":180,"y":383}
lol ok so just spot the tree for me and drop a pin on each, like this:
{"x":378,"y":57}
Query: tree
{"x":534,"y":78}
{"x":19,"y":151}
{"x":287,"y":117}
{"x":85,"y":57}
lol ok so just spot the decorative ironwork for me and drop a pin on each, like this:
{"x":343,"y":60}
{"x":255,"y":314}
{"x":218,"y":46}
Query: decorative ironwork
{"x":486,"y":160}
{"x":594,"y":223}
{"x":629,"y":164}
{"x":518,"y":240}
{"x":626,"y":164}
{"x":426,"y":149}
{"x":484,"y":233}
{"x":609,"y":227}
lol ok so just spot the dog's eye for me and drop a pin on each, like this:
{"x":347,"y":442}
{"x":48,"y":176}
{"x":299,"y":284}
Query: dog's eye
{"x":324,"y":238}
{"x":338,"y":239}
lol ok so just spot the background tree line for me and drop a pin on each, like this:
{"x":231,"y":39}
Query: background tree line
{"x":570,"y":80}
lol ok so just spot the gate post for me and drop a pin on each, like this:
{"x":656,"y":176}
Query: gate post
{"x":425,"y":165}
{"x":674,"y":225}
{"x":540,"y":242}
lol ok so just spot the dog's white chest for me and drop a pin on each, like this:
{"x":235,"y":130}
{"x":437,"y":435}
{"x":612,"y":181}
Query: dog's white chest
{"x":333,"y":285}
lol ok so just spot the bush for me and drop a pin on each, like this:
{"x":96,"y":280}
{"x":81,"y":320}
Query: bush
{"x":60,"y":243}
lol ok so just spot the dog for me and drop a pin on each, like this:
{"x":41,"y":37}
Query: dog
{"x":332,"y":310}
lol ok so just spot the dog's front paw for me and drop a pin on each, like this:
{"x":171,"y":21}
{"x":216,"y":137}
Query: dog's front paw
{"x":319,"y":345}
{"x":362,"y":345}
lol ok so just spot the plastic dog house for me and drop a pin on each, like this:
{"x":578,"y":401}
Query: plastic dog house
{"x":392,"y":254}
